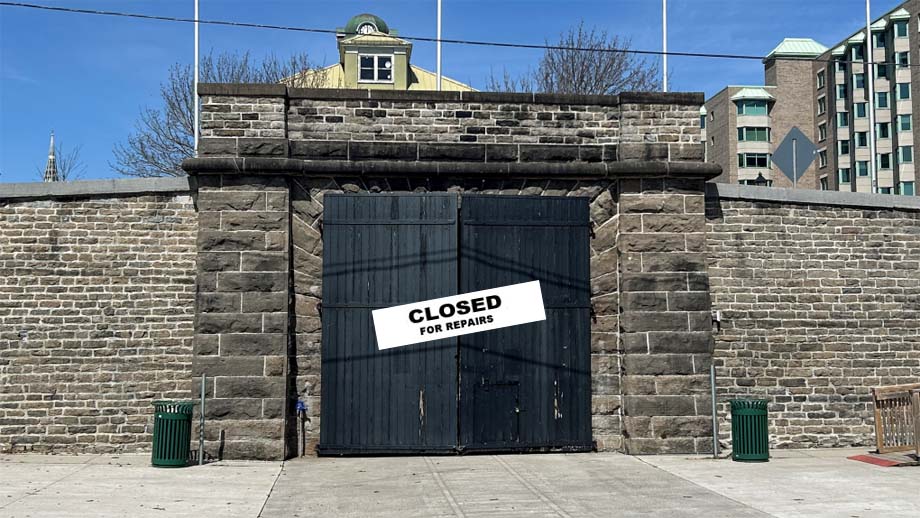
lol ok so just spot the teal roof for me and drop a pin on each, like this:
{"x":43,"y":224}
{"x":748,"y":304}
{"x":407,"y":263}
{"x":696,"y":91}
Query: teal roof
{"x":798,"y":47}
{"x":356,"y":21}
{"x":752,"y":93}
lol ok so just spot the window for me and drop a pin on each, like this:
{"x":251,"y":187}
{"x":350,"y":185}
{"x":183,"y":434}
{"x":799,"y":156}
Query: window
{"x":843,"y":119}
{"x":858,"y":53}
{"x":862,"y":168}
{"x":702,"y":122}
{"x":878,"y":39}
{"x":903,"y":91}
{"x":754,"y":182}
{"x":862,"y":138}
{"x":752,"y":107}
{"x":860,"y":109}
{"x":376,"y":68}
{"x":822,"y":132}
{"x":820,"y":79}
{"x":907,"y":188}
{"x":824,"y":183}
{"x":884,"y":161}
{"x":843,"y":147}
{"x":841,"y":65}
{"x":902,"y":59}
{"x":843,"y":175}
{"x":883,"y":130}
{"x":881,"y":99}
{"x":904,"y":123}
{"x":753,"y":160}
{"x":841,"y":91}
{"x":881,"y":71}
{"x":906,"y":155}
{"x":822,"y":105}
{"x":900,"y":29}
{"x":822,"y":158}
{"x":859,"y":80}
{"x":753,"y":134}
{"x":884,"y":190}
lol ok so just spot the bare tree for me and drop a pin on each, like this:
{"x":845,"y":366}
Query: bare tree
{"x":164,"y":136}
{"x":584,"y":61}
{"x":69,"y":162}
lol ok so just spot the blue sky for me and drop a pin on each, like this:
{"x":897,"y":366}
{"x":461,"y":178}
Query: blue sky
{"x":87,"y":77}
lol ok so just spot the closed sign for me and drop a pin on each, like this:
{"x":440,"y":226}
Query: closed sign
{"x":459,"y":315}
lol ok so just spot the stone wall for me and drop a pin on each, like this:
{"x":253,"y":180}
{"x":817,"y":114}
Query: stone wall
{"x":271,"y":120}
{"x":819,"y":295}
{"x":97,"y":292}
{"x":262,"y":141}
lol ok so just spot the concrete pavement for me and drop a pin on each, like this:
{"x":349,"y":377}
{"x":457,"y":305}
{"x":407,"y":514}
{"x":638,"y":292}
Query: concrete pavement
{"x":794,"y":483}
{"x":126,"y":485}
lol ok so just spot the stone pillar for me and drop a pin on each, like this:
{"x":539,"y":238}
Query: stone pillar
{"x":665,"y":321}
{"x":242,"y":320}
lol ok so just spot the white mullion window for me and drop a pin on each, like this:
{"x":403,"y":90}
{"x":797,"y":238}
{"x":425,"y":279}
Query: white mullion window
{"x":375,"y":68}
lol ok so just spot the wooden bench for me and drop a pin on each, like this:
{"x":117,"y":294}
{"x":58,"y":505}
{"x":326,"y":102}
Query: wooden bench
{"x":897,"y":417}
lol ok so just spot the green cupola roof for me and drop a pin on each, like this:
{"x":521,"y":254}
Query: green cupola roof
{"x":366,"y":18}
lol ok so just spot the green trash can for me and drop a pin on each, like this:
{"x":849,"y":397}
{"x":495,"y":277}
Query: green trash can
{"x":172,"y":433}
{"x":750,"y":434}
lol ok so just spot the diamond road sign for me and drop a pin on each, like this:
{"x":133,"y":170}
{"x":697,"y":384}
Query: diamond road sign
{"x":798,"y":145}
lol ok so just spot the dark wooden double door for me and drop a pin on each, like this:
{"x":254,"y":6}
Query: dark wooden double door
{"x":525,"y":387}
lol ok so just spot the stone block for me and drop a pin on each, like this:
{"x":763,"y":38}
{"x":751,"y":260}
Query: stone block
{"x":646,"y":405}
{"x":237,"y":408}
{"x":653,"y":282}
{"x":449,"y":151}
{"x":258,"y":344}
{"x":673,"y":262}
{"x":689,"y":301}
{"x":652,"y":242}
{"x":264,"y":302}
{"x":644,"y":301}
{"x":648,"y":446}
{"x":658,"y":364}
{"x":214,"y":240}
{"x":263,"y":147}
{"x":680,"y":342}
{"x":250,"y":387}
{"x":252,"y":281}
{"x":651,"y":204}
{"x":218,"y":302}
{"x":230,"y":200}
{"x":218,"y":323}
{"x":218,"y":261}
{"x":227,"y":366}
{"x":639,"y":321}
{"x":677,"y":223}
{"x":254,"y":220}
{"x":264,"y":262}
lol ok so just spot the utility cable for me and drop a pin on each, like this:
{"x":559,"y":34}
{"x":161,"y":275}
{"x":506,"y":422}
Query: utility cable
{"x":227,"y":23}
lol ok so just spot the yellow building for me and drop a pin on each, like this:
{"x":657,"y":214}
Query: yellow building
{"x":372,"y":56}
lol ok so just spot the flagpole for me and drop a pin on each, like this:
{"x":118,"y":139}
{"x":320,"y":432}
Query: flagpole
{"x":439,"y":45}
{"x":870,"y":82}
{"x":195,"y":85}
{"x":664,"y":44}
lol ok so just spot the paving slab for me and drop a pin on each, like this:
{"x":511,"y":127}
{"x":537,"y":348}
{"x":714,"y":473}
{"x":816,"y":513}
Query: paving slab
{"x":126,"y":485}
{"x":571,"y":485}
{"x":805,"y":483}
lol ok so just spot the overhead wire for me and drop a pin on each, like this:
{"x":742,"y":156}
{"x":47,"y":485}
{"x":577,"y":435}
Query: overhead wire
{"x":531,"y":46}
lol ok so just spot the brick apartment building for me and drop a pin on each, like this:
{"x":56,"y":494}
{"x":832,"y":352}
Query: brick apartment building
{"x":823,"y":92}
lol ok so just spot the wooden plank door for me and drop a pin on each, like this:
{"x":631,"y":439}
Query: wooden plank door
{"x":379,"y":251}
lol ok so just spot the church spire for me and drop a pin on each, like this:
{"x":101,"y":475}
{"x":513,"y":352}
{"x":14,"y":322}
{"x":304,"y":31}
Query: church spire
{"x":51,"y":172}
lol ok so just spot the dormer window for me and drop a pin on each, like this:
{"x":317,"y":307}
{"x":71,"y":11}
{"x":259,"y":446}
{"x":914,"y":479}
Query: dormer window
{"x":375,"y":68}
